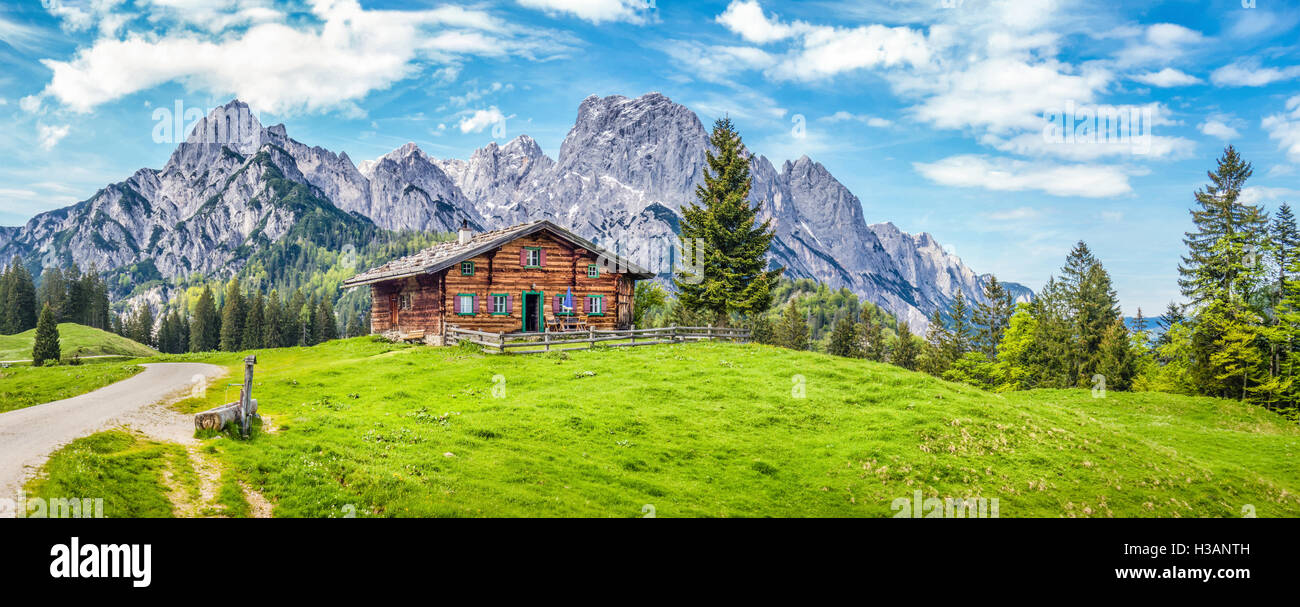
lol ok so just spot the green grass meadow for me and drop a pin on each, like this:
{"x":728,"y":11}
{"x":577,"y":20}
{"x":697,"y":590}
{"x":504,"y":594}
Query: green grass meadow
{"x":74,"y":340}
{"x":24,"y":386}
{"x":721,"y":430}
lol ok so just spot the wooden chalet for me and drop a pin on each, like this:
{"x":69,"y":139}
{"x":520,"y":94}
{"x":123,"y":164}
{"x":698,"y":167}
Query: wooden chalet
{"x":527,"y":278}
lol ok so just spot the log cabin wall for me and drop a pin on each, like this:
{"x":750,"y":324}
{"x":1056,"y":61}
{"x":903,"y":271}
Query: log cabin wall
{"x":500,"y":272}
{"x":401,"y":306}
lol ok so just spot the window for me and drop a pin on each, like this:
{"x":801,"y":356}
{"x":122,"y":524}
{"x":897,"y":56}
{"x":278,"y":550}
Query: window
{"x":466,"y":268}
{"x":500,"y":304}
{"x":404,"y":301}
{"x":532,"y":257}
{"x":465,"y":304}
{"x":593,"y":271}
{"x":596,"y":305}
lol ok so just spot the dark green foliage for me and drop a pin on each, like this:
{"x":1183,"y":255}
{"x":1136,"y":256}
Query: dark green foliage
{"x":844,"y":340}
{"x":205,"y":325}
{"x":233,"y":314}
{"x":254,"y":324}
{"x":730,"y":273}
{"x":992,"y":316}
{"x":46,"y":347}
{"x":326,"y":326}
{"x":907,"y":348}
{"x":871,"y":338}
{"x":792,"y":331}
{"x":17,"y":299}
{"x":762,"y":331}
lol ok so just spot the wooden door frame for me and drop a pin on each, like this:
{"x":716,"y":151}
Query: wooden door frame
{"x":541,"y":310}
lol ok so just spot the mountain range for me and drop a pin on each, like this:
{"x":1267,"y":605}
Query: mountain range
{"x":621,"y":176}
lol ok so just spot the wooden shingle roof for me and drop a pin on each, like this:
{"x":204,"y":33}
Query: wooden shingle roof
{"x":447,"y":254}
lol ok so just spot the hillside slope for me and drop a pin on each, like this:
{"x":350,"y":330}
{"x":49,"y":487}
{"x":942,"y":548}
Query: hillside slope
{"x":74,"y":340}
{"x":718,"y":430}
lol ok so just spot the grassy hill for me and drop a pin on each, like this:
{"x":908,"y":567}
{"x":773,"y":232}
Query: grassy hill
{"x":74,"y":340}
{"x":718,"y":430}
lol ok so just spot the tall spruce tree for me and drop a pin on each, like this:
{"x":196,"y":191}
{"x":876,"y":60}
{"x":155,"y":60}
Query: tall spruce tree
{"x":1222,"y":249}
{"x":233,"y":314}
{"x":992,"y":316}
{"x":20,"y":301}
{"x":205,"y":324}
{"x":273,"y":322}
{"x":792,"y":331}
{"x":254,"y":324}
{"x":326,"y":324}
{"x":934,"y":358}
{"x":730,"y":265}
{"x":961,"y":337}
{"x":46,"y":347}
{"x":844,"y":340}
{"x":906,"y":349}
{"x":53,"y":291}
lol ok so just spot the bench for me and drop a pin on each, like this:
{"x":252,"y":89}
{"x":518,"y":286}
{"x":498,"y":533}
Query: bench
{"x":416,"y":335}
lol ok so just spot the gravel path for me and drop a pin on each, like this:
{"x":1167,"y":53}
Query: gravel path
{"x":28,"y":436}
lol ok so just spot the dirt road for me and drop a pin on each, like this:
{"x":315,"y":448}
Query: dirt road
{"x":28,"y":436}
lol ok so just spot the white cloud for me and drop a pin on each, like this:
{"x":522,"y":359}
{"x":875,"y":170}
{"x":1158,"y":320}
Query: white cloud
{"x":1286,"y":129}
{"x":1009,"y":175}
{"x":843,"y":116}
{"x":821,"y":52}
{"x":50,"y":135}
{"x":1217,"y":126}
{"x":475,"y":94}
{"x":716,"y":63}
{"x":331,"y":64}
{"x":1159,"y":44}
{"x":481,"y":119}
{"x":1248,"y":72}
{"x":1166,"y":78}
{"x":595,"y":11}
{"x":745,"y":17}
{"x":1256,"y":194}
{"x":1016,"y":214}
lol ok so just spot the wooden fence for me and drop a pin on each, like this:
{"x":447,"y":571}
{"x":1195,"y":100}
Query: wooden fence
{"x":535,"y":343}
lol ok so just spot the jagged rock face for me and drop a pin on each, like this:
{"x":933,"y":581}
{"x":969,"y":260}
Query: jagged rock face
{"x":409,"y":191}
{"x":622,"y":175}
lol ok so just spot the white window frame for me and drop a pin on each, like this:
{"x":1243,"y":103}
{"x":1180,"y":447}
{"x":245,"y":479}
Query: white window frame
{"x":533,"y":262}
{"x":465,"y":304}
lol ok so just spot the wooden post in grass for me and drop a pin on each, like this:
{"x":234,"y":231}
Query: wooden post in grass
{"x":240,"y":411}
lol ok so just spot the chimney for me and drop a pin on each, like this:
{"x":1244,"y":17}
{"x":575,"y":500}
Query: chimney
{"x":465,"y":234}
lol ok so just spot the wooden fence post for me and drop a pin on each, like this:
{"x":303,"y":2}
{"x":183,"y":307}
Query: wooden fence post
{"x":546,"y":340}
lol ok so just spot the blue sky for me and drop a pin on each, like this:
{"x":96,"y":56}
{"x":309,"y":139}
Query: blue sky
{"x":932,"y":112}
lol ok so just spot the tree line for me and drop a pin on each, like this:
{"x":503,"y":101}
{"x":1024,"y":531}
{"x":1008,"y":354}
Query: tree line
{"x":242,"y":320}
{"x":71,"y":296}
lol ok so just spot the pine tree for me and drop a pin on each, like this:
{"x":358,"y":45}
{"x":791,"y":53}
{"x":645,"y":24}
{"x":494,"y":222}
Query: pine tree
{"x":53,"y":291}
{"x":139,"y":328}
{"x":961,"y":338}
{"x":761,"y":330}
{"x":934,"y":358}
{"x":326,"y":325}
{"x":293,"y":319}
{"x":844,"y":340}
{"x":254,"y":324}
{"x":792,"y":332}
{"x":1095,"y":310}
{"x":204,"y":328}
{"x":992,"y":316}
{"x":871,"y":333}
{"x":46,"y":347}
{"x":734,"y":275}
{"x":907,"y":349}
{"x":1220,"y":259}
{"x":5,"y":281}
{"x":20,"y":303}
{"x":273,"y":322}
{"x":1116,"y":362}
{"x":357,"y":326}
{"x":77,"y":303}
{"x":233,"y":315}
